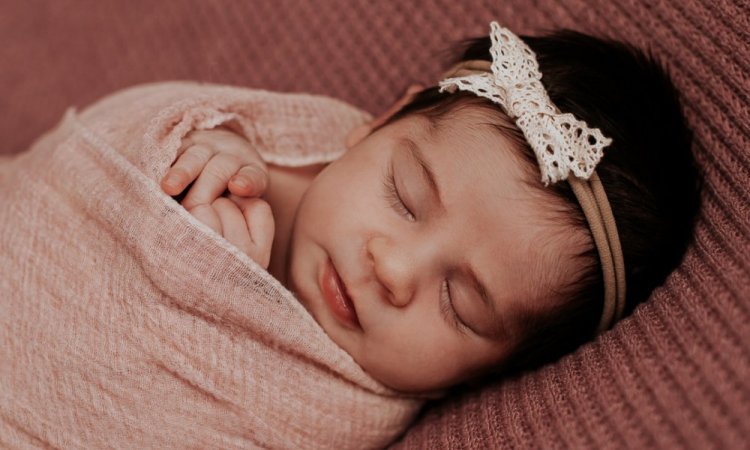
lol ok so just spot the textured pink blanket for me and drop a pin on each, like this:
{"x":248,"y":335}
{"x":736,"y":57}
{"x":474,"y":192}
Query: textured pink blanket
{"x":126,"y":323}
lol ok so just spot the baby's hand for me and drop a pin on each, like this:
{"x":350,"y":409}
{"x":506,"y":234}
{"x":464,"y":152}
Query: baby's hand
{"x":214,"y":161}
{"x":245,"y":222}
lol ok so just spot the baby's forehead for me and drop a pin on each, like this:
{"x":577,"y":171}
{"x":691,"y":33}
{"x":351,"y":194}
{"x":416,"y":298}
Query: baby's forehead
{"x":460,"y":118}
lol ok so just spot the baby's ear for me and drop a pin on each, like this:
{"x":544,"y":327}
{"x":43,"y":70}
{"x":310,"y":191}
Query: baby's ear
{"x":357,"y":134}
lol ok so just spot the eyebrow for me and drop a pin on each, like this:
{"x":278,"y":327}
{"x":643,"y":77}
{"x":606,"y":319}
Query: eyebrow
{"x":429,"y":174}
{"x":424,"y":164}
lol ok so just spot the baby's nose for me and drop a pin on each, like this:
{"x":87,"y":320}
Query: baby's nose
{"x":395,"y":268}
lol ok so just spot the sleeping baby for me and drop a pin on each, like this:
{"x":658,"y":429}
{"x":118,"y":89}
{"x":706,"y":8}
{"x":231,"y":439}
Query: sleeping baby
{"x":327,"y":274}
{"x":483,"y":226}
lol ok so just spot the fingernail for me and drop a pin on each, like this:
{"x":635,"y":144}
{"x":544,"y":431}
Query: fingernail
{"x":241,"y":182}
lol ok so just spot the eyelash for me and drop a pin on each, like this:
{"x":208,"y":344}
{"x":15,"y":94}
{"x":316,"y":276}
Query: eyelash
{"x":393,"y":197}
{"x":447,"y":309}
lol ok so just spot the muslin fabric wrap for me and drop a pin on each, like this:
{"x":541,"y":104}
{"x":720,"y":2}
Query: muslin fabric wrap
{"x":126,"y":323}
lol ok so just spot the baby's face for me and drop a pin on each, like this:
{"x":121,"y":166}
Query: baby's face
{"x":418,"y":284}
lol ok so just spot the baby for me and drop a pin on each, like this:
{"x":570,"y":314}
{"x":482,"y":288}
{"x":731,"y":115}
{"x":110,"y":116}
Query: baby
{"x":431,"y":251}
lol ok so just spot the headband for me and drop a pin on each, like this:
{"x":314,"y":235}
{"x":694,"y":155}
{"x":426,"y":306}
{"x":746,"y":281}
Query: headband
{"x":562,"y":144}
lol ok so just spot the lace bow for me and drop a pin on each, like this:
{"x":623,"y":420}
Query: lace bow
{"x":562,"y":143}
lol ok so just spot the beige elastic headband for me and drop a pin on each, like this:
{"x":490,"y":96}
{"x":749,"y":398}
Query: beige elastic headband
{"x":562,"y":144}
{"x":593,"y":200}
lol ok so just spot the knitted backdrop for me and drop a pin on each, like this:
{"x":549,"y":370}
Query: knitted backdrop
{"x":675,"y":374}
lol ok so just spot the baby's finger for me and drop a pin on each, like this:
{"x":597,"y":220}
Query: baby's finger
{"x":233,"y":224}
{"x":260,"y":223}
{"x":213,"y":180}
{"x":207,"y":215}
{"x":250,"y":181}
{"x":187,"y":167}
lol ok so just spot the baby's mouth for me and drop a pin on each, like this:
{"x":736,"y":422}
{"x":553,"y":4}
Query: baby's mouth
{"x":336,"y":297}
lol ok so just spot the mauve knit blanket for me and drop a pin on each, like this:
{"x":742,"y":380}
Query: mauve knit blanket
{"x":126,"y":323}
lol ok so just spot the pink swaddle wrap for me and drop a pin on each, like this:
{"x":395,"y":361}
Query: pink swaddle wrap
{"x":126,"y":323}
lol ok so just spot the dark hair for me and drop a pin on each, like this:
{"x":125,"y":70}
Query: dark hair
{"x":648,"y":172}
